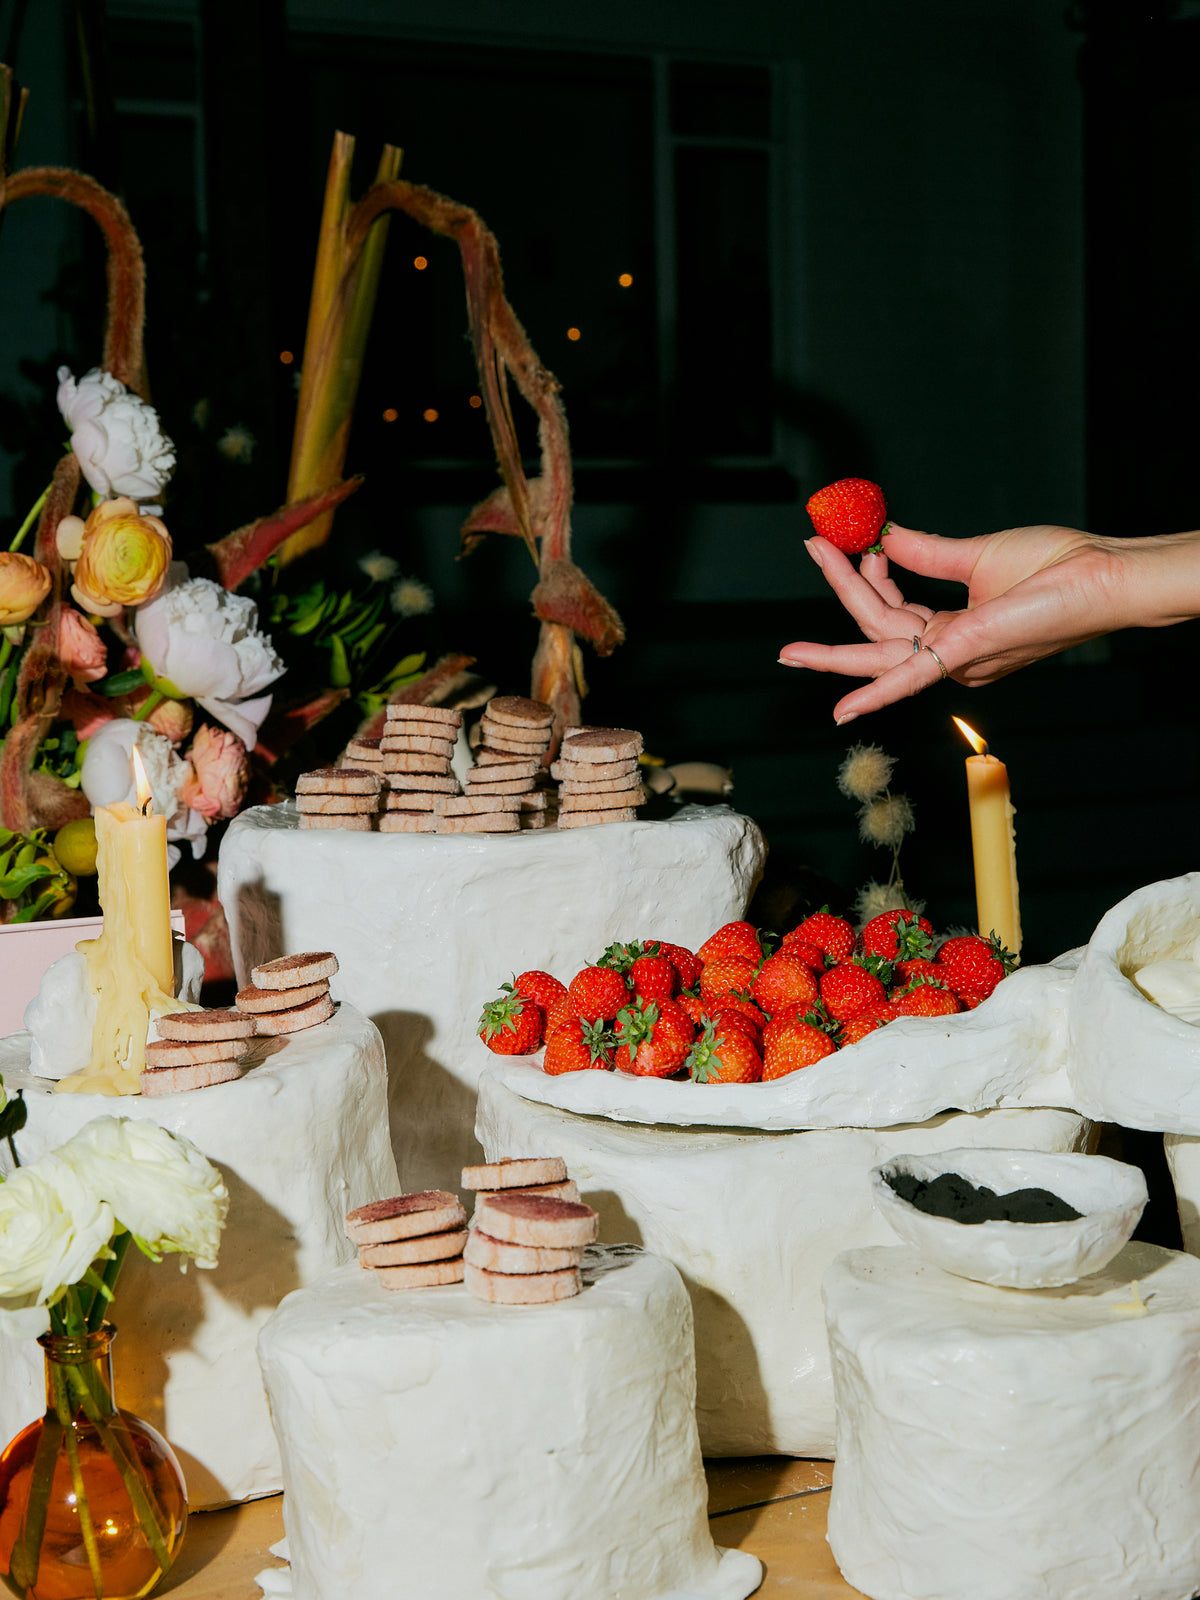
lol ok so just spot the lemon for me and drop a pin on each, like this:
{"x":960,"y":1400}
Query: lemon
{"x":75,"y":846}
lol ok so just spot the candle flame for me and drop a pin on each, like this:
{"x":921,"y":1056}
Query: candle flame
{"x":972,"y":738}
{"x":145,"y":797}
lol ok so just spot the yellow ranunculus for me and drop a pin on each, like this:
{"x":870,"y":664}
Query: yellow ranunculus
{"x":24,"y":584}
{"x":124,"y":559}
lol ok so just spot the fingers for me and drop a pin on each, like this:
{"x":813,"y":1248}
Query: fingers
{"x":854,"y":660}
{"x":875,"y":614}
{"x":874,"y":568}
{"x":931,"y":555}
{"x":910,"y":676}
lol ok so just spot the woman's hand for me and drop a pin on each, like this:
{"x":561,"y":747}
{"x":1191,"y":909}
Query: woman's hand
{"x":1031,"y":592}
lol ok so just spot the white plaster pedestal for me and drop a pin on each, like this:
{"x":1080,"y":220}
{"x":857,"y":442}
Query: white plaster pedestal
{"x":752,"y":1220}
{"x":427,"y":927}
{"x":301,"y":1139}
{"x":1007,"y":1444}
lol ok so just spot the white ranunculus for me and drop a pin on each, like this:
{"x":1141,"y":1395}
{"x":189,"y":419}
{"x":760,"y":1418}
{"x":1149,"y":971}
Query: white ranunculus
{"x":107,"y":776}
{"x":158,"y":1184}
{"x":205,"y":642}
{"x":115,"y":435}
{"x":52,"y":1227}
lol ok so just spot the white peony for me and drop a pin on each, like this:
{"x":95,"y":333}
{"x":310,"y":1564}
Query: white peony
{"x":205,"y":643}
{"x":107,"y":776}
{"x":117,"y":438}
{"x":158,"y":1184}
{"x":52,"y":1227}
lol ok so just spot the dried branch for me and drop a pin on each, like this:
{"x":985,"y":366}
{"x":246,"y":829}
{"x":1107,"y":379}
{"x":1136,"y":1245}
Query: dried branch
{"x":242,"y":552}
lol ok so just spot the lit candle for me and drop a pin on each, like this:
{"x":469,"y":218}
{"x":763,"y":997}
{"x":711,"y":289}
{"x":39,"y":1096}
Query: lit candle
{"x":131,"y":966}
{"x":993,"y":843}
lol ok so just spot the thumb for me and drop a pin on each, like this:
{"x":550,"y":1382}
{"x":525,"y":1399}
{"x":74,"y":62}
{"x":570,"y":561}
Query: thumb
{"x":931,"y":555}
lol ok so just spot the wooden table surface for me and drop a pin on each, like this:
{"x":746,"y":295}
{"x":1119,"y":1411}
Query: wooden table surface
{"x":770,"y":1505}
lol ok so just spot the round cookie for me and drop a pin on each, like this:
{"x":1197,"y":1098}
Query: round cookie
{"x":190,"y":1026}
{"x":604,"y":800}
{"x":502,"y":771}
{"x":175,"y":1080}
{"x":518,"y":712}
{"x":419,"y":783}
{"x":538,"y":1220}
{"x":587,"y":819}
{"x":480,"y":822}
{"x":515,"y":1172}
{"x":396,"y":821}
{"x":567,"y":1190}
{"x":526,"y":1289}
{"x":405,"y":1216}
{"x":426,"y":1275}
{"x":350,"y":822}
{"x":475,"y":804}
{"x":436,"y":765}
{"x":336,"y":804}
{"x":420,"y":743}
{"x":592,"y":771}
{"x":338,"y":780}
{"x":172,"y":1053}
{"x":511,"y":786}
{"x":407,"y":1252}
{"x":295,"y":1018}
{"x":493,"y":1255}
{"x":402,"y":711}
{"x":602,"y":744}
{"x":254,"y":1000}
{"x":294,"y":972}
{"x":620,"y":785}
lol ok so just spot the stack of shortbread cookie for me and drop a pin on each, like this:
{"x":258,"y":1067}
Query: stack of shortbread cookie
{"x":364,"y":753}
{"x":598,"y":776}
{"x":339,"y":797}
{"x":503,"y":790}
{"x":412,"y":1241}
{"x":290,"y":993}
{"x":527,"y":1249}
{"x":545,"y":1175}
{"x":416,"y":747}
{"x":196,"y":1049}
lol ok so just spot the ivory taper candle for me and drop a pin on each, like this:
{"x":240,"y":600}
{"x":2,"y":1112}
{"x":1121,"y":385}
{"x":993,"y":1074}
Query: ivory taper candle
{"x":993,"y":843}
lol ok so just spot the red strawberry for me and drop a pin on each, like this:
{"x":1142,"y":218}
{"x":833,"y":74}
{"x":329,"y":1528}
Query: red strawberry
{"x":849,"y":988}
{"x":813,"y":1015}
{"x":723,"y":1020}
{"x":867,"y":1022}
{"x":831,"y":934}
{"x":653,"y":1038}
{"x":927,"y":1000}
{"x":798,"y":1045}
{"x":747,"y":1008}
{"x":511,"y":1025}
{"x":783,"y":981}
{"x":685,"y":963}
{"x":724,"y":1056}
{"x":597,"y":994}
{"x":897,"y":936}
{"x":541,"y":988}
{"x":725,"y":974}
{"x":695,"y":1008}
{"x":850,"y":513}
{"x":973,"y":963}
{"x":653,"y":977}
{"x":734,"y":939}
{"x":970,"y":999}
{"x":801,"y":950}
{"x":918,"y":967}
{"x":578,"y":1046}
{"x":559,"y":1013}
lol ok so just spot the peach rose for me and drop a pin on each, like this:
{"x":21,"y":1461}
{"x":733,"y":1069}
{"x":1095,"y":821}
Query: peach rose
{"x":24,"y":584}
{"x":80,"y":648}
{"x":123,"y":560}
{"x":216,"y":780}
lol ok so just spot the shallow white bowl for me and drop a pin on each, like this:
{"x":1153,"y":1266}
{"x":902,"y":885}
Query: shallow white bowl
{"x":1020,"y":1255}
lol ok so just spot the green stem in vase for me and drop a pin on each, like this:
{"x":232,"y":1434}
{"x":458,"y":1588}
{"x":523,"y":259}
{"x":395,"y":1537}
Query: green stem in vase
{"x":95,"y":1408}
{"x":34,"y":514}
{"x":108,"y":1278}
{"x":27,"y":1553}
{"x":62,"y":1405}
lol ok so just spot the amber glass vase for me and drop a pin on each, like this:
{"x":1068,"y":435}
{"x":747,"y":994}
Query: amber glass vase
{"x":92,"y":1501}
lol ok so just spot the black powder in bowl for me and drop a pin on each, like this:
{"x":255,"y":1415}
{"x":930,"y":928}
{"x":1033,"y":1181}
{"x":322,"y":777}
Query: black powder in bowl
{"x":951,"y":1195}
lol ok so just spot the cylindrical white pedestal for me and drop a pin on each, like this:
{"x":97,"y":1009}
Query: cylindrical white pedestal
{"x":427,"y":927}
{"x":300,"y":1140}
{"x":751,"y":1220}
{"x":1009,"y":1444}
{"x":435,"y":1446}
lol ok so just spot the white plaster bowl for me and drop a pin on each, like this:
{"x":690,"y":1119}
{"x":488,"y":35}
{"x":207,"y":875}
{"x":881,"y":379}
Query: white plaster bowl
{"x":1020,"y":1255}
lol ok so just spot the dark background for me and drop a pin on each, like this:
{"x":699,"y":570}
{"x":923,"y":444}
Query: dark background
{"x":952,"y":248}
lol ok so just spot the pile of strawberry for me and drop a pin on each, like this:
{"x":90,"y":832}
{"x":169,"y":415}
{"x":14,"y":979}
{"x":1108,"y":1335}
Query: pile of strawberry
{"x":734,"y":1012}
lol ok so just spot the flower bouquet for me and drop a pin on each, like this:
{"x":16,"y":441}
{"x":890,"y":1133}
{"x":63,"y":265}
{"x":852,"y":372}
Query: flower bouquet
{"x":92,"y":1501}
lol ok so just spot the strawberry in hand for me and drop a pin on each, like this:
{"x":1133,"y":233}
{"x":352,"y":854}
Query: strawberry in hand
{"x":851,"y":514}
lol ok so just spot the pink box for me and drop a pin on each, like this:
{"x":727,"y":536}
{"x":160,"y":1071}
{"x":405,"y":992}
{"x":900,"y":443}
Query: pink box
{"x":28,"y":948}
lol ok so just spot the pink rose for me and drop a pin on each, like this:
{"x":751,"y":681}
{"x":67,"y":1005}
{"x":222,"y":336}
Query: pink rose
{"x":215,"y":784}
{"x":80,"y":648}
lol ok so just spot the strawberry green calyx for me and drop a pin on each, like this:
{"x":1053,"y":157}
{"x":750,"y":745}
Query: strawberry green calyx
{"x":701,"y":1063}
{"x":636,"y":1022}
{"x":598,"y":1041}
{"x":876,"y":965}
{"x":1002,"y":953}
{"x":620,"y":957}
{"x":500,"y":1014}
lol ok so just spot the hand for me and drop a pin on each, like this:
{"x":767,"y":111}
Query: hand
{"x":1031,"y":592}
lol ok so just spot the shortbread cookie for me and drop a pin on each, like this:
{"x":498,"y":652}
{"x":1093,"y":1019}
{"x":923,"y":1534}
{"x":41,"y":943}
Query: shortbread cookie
{"x":426,"y":1247}
{"x":602,"y":744}
{"x":412,"y":800}
{"x":527,"y":1289}
{"x":190,"y":1026}
{"x":293,"y":972}
{"x":537,"y":1219}
{"x":352,"y":822}
{"x":589,"y":819}
{"x":476,"y":804}
{"x":429,"y":1275}
{"x":407,"y":761}
{"x":336,"y":805}
{"x":418,"y":743}
{"x":621,"y":785}
{"x":402,"y":711}
{"x":408,"y":822}
{"x":502,"y":771}
{"x":296,"y":1018}
{"x":338,"y":780}
{"x":602,"y":800}
{"x":487,"y":756}
{"x":174,"y":1053}
{"x":413,"y":782}
{"x":512,"y":786}
{"x":174,"y":1080}
{"x":535,"y":800}
{"x":519,"y":712}
{"x":567,"y":1190}
{"x":494,"y":1255}
{"x":404,"y":1216}
{"x":516,"y":744}
{"x":480,"y":822}
{"x":364,"y":750}
{"x":515,"y":1172}
{"x":254,"y":1000}
{"x":592,"y":771}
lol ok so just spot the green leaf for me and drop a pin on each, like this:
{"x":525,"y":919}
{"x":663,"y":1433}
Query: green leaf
{"x":409,"y":665}
{"x":15,"y":883}
{"x":122,"y":682}
{"x":339,"y":666}
{"x":13,"y":1116}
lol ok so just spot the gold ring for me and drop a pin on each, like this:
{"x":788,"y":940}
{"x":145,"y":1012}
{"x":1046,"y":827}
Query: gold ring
{"x":938,"y":659}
